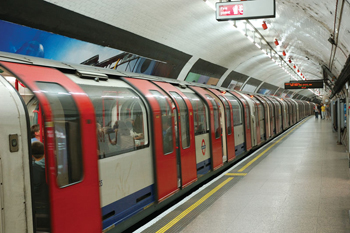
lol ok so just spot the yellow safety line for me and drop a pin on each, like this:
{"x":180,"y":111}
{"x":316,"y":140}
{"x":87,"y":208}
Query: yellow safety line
{"x":236,"y":174}
{"x":267,"y":149}
{"x":192,"y":207}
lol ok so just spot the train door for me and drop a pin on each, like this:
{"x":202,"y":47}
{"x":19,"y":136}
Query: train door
{"x":238,"y":123}
{"x":296,"y":106}
{"x":70,"y":155}
{"x":201,"y":132}
{"x":227,"y":125}
{"x":272,"y":116}
{"x":261,"y":120}
{"x":247,"y":120}
{"x":223,"y":132}
{"x":186,"y":138}
{"x":284,"y":113}
{"x":215,"y":129}
{"x":295,"y":110}
{"x":278,"y":115}
{"x":253,"y":119}
{"x":163,"y":136}
{"x":290,"y":107}
{"x":266,"y":116}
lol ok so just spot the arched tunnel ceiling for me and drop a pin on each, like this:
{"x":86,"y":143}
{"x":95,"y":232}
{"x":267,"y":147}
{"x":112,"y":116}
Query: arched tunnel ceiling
{"x":301,"y":27}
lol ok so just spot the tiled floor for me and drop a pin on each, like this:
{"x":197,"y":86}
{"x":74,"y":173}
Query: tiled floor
{"x":302,"y":185}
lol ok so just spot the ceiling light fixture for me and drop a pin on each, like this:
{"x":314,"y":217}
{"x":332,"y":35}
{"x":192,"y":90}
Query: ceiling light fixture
{"x":264,"y":25}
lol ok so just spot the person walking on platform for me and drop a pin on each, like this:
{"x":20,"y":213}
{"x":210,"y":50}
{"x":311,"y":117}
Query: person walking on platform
{"x":319,"y":110}
{"x":323,"y":112}
{"x":316,"y":111}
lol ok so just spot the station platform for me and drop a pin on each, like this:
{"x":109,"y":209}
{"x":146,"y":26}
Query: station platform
{"x":298,"y":182}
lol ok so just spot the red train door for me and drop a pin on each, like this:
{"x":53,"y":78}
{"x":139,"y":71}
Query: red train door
{"x":248,"y":132}
{"x":230,"y":136}
{"x":70,"y":148}
{"x":186,"y":140}
{"x":257,"y":119}
{"x":215,"y":129}
{"x":272,"y":116}
{"x":267,"y":113}
{"x":166,"y":180}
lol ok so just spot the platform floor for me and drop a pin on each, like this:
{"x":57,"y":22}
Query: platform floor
{"x":299,"y":182}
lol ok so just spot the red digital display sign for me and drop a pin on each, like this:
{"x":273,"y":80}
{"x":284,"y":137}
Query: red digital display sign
{"x":230,"y":10}
{"x":304,"y":84}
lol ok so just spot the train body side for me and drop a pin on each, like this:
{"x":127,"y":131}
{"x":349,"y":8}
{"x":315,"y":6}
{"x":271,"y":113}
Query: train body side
{"x":140,"y":175}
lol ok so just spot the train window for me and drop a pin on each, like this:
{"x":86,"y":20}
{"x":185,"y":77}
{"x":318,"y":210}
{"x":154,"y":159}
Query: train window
{"x":67,"y":131}
{"x":216,"y":116}
{"x":166,"y":121}
{"x":121,"y":119}
{"x":200,"y":114}
{"x":237,"y":114}
{"x":185,"y":125}
{"x":228,"y":115}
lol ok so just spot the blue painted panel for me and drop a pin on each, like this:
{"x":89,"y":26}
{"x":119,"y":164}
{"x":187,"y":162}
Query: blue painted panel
{"x":206,"y":167}
{"x":127,"y":206}
{"x":240,"y":149}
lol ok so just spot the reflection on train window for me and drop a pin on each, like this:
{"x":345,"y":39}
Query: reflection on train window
{"x":166,"y":121}
{"x":216,"y":116}
{"x":228,"y":115}
{"x":67,"y":132}
{"x":121,"y":120}
{"x":237,"y":113}
{"x":185,"y":126}
{"x":200,"y":114}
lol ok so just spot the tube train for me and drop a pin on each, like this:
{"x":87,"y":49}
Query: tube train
{"x":119,"y":146}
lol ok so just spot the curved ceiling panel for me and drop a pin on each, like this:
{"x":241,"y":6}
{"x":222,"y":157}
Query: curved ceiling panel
{"x":303,"y":29}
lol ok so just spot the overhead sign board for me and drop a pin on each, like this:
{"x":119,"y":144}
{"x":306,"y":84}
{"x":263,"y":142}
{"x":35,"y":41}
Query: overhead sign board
{"x":253,"y":9}
{"x":304,"y":84}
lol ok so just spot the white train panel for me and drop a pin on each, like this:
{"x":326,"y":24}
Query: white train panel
{"x":125,"y":174}
{"x":15,"y":189}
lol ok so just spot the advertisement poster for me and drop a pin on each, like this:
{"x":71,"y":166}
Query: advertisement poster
{"x":198,"y":78}
{"x":28,"y":41}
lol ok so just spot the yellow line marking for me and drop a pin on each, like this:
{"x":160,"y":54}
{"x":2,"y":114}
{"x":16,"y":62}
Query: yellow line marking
{"x":236,"y":174}
{"x":192,"y":207}
{"x":267,"y":149}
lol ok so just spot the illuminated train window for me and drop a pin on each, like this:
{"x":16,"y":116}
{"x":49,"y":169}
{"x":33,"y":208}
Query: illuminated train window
{"x":237,"y":113}
{"x":185,"y":125}
{"x":167,"y":129}
{"x":121,"y":120}
{"x":200,"y":114}
{"x":228,"y":115}
{"x":216,"y":116}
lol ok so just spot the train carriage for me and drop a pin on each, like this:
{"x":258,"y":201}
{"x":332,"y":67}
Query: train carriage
{"x":125,"y":145}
